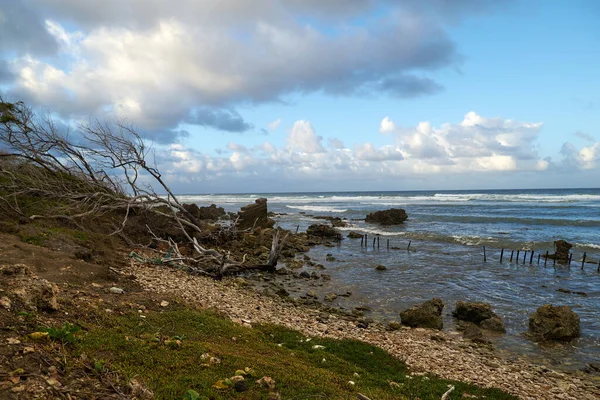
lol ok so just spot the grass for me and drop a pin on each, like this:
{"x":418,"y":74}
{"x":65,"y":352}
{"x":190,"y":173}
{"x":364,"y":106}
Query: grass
{"x":174,"y":352}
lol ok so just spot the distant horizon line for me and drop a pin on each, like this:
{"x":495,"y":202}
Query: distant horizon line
{"x":380,"y":191}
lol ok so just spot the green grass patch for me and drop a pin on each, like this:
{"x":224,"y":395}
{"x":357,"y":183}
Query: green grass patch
{"x":178,"y":351}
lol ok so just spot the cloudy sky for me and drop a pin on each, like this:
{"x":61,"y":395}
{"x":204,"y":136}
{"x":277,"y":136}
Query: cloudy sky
{"x":313,"y":95}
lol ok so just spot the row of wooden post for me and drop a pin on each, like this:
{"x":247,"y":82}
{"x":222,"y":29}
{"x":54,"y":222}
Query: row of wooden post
{"x":512,"y":253}
{"x":364,"y":242}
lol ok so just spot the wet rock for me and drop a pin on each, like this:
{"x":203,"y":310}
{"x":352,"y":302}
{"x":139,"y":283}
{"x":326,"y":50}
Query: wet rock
{"x":323,"y":232}
{"x":394,"y":325}
{"x":426,"y":315}
{"x":562,"y":250}
{"x":255,"y":215}
{"x":480,"y":314}
{"x":336,"y":222}
{"x":393,"y":216}
{"x":473,"y":333}
{"x":330,"y":257}
{"x":331,"y":296}
{"x":554,"y":323}
{"x":380,"y":268}
{"x":304,"y":274}
{"x":354,"y":235}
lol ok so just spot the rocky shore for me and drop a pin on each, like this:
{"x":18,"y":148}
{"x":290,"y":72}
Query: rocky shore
{"x":424,"y":350}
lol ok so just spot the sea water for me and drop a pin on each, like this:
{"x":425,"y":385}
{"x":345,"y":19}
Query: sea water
{"x":447,"y":231}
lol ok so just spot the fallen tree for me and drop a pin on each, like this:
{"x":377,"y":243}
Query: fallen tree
{"x":99,"y":170}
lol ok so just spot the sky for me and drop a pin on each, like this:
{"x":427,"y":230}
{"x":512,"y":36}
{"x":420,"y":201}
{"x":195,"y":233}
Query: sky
{"x":244,"y":96}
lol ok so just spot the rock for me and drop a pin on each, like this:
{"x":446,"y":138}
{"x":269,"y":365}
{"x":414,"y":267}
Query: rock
{"x":116,"y":290}
{"x":393,"y":216}
{"x":354,"y":235}
{"x":336,"y":222}
{"x":554,"y":323}
{"x":312,"y":293}
{"x":562,"y":250}
{"x":255,"y":215}
{"x":493,"y":324}
{"x":5,"y":303}
{"x":480,"y":314}
{"x":426,"y":315}
{"x":394,"y":325}
{"x":211,"y":213}
{"x":330,"y":257}
{"x":323,"y":232}
{"x":240,"y":386}
{"x":472,"y":332}
{"x":164,"y":303}
{"x":15,"y":269}
{"x":266,"y":382}
{"x":380,"y":268}
{"x":330,"y":296}
{"x":34,"y":292}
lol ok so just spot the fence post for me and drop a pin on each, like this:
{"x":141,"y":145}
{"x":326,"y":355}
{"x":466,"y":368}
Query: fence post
{"x":583,"y":260}
{"x":501,"y":255}
{"x":409,"y":242}
{"x":484,"y":257}
{"x":531,"y":258}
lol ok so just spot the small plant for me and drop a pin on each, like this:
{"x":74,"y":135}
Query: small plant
{"x":64,"y":334}
{"x":193,"y":395}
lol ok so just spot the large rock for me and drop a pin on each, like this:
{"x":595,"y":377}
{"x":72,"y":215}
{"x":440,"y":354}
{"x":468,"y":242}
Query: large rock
{"x":426,"y":315}
{"x":554,"y":323}
{"x":323,"y":232}
{"x":255,"y":215}
{"x":211,"y":213}
{"x":562,"y":250}
{"x":393,"y":216}
{"x":29,"y":290}
{"x":480,"y":314}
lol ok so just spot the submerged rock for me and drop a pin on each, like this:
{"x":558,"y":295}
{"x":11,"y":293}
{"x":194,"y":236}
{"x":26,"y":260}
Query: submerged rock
{"x":480,"y":314}
{"x":426,"y":315}
{"x":562,"y":250}
{"x":393,"y":216}
{"x":554,"y":323}
{"x":354,"y":235}
{"x":323,"y":232}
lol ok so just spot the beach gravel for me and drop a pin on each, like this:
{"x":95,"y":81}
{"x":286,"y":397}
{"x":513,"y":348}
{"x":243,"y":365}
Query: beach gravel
{"x":421,"y":349}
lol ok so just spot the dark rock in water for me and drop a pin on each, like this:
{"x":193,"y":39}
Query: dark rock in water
{"x":472,"y":332}
{"x":562,"y":250}
{"x":255,"y":215}
{"x":336,"y":222}
{"x":324,"y":232}
{"x":212,"y":212}
{"x":480,"y":314}
{"x":393,"y":216}
{"x":591,"y":367}
{"x":554,"y":323}
{"x":380,"y":268}
{"x":354,"y":235}
{"x":426,"y":315}
{"x":330,"y":257}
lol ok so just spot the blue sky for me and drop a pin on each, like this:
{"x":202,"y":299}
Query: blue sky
{"x":273,"y":95}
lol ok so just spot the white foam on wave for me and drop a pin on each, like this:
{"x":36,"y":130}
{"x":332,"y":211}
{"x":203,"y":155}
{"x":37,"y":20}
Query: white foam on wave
{"x":590,"y":245}
{"x":318,"y":209}
{"x":370,"y":231}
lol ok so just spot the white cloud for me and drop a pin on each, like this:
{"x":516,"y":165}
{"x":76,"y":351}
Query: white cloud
{"x":387,"y":125}
{"x":273,"y":125}
{"x":303,"y":138}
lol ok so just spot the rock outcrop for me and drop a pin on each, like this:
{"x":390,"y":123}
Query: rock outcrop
{"x":554,"y":323}
{"x":255,"y":216}
{"x":393,"y":216}
{"x":210,"y":213}
{"x":480,"y":314}
{"x":29,"y":290}
{"x":562,"y":250}
{"x":323,"y":232}
{"x":426,"y":315}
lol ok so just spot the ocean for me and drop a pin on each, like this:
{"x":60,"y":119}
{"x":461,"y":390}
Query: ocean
{"x":447,"y":231}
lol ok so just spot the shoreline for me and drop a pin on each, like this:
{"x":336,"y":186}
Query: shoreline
{"x":421,"y":349}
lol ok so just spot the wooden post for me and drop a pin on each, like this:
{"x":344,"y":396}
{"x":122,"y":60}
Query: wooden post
{"x":570,"y":258}
{"x":517,"y":259}
{"x":554,"y":261}
{"x":378,"y":242}
{"x":374,"y":242}
{"x":531,"y":258}
{"x":598,"y":266}
{"x":362,"y":239}
{"x":366,"y":241}
{"x":546,"y":259}
{"x":501,"y":255}
{"x":539,"y":256}
{"x":388,"y":244}
{"x":408,"y":248}
{"x":511,"y":255}
{"x":298,"y":227}
{"x":524,"y":257}
{"x":583,"y":260}
{"x":484,"y":257}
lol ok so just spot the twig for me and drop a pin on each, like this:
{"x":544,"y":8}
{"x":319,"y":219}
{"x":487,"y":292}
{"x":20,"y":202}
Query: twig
{"x":446,"y":395}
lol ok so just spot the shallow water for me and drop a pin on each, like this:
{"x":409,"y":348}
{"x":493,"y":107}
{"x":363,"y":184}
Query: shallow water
{"x":447,"y":232}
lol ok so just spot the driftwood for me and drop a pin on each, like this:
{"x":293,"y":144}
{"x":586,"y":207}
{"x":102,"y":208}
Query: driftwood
{"x":447,"y":394}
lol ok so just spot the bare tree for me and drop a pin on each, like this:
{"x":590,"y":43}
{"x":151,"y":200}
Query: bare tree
{"x":95,"y":171}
